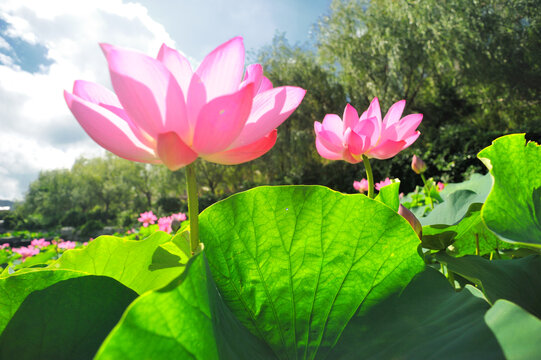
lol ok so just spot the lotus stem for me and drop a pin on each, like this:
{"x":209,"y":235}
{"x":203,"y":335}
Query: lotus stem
{"x":427,"y":192}
{"x":369,"y":176}
{"x":193,"y":207}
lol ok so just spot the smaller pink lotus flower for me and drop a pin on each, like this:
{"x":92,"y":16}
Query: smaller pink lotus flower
{"x":361,"y":186}
{"x":179,"y":217}
{"x":40,"y":243}
{"x":383,"y":183}
{"x":164,"y":223}
{"x":368,"y":134}
{"x":147,"y":218}
{"x":66,"y":245}
{"x":3,"y":246}
{"x":418,"y":165}
{"x":26,"y":251}
{"x":85,"y":243}
{"x":440,"y":186}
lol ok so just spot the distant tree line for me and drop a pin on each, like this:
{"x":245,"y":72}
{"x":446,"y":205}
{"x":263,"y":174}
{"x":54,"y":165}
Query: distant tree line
{"x":470,"y":66}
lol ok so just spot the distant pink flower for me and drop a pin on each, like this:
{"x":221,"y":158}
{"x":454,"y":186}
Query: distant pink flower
{"x":164,"y":112}
{"x":440,"y":186}
{"x":3,"y":246}
{"x":66,"y":245}
{"x":179,"y":217}
{"x":147,"y":218}
{"x":40,"y":243}
{"x":361,"y":186}
{"x":26,"y":251}
{"x":383,"y":183}
{"x":164,"y":223}
{"x":85,"y":243}
{"x":366,"y":135}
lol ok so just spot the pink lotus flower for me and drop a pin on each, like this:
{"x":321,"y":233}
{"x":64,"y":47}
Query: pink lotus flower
{"x":418,"y":165}
{"x":66,"y":245}
{"x":179,"y":217}
{"x":383,"y":183}
{"x":3,"y":246}
{"x":440,"y":186}
{"x":147,"y":218}
{"x":40,"y":243}
{"x":361,"y":186}
{"x":26,"y":251}
{"x":164,"y":112}
{"x":164,"y":223}
{"x":366,"y":135}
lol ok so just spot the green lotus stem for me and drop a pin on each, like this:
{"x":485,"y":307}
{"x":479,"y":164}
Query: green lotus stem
{"x":193,"y":206}
{"x":369,"y":177}
{"x":451,"y":277}
{"x":427,"y":192}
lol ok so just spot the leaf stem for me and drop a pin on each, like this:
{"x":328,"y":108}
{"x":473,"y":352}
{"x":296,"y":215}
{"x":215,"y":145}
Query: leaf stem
{"x":427,"y":191}
{"x":477,"y":251}
{"x":369,"y":176}
{"x":193,"y":206}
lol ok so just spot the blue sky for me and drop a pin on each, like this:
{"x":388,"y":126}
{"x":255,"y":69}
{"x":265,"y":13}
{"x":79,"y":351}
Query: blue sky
{"x":46,"y":45}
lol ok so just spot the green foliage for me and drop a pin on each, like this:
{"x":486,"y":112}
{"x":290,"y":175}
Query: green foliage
{"x":513,"y":208}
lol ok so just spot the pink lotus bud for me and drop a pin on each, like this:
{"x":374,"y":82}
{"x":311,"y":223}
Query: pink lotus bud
{"x":352,"y":136}
{"x":414,"y":222}
{"x":418,"y":165}
{"x":361,"y":186}
{"x":440,"y":186}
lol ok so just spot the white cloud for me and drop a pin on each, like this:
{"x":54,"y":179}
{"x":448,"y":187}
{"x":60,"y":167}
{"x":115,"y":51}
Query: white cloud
{"x":37,"y":131}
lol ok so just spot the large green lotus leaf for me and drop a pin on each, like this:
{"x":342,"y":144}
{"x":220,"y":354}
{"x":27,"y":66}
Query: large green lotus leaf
{"x":67,"y":320}
{"x":517,"y":331}
{"x":428,"y":320}
{"x":15,"y":288}
{"x":185,"y":320}
{"x":295,"y":263}
{"x":137,"y":264}
{"x":517,"y":280}
{"x":457,"y":199}
{"x":463,"y":236}
{"x":513,"y":208}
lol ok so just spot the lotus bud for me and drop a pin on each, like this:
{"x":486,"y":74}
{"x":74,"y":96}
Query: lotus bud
{"x":418,"y":165}
{"x":414,"y":222}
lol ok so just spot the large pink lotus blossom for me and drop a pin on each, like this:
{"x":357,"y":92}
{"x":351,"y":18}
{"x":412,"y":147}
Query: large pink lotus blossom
{"x":26,"y":251}
{"x":361,"y":186}
{"x":40,"y":243}
{"x":147,"y":218}
{"x":368,"y":134}
{"x":164,"y":112}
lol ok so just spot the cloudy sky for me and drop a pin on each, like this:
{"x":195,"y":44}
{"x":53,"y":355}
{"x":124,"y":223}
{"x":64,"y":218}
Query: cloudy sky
{"x":46,"y":45}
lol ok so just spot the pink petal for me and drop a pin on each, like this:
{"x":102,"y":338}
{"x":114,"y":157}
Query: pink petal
{"x":221,"y":121}
{"x":147,"y":91}
{"x":330,"y":140}
{"x":411,"y":139}
{"x":351,"y":117}
{"x":357,"y":143}
{"x":178,"y":65}
{"x":221,"y":70}
{"x":374,"y":110}
{"x":371,"y":128}
{"x":386,"y":150}
{"x":333,"y":123}
{"x":244,"y":153}
{"x":108,"y":130}
{"x":326,"y":153}
{"x":408,"y":125}
{"x":173,"y":152}
{"x":254,"y":75}
{"x":269,"y":109}
{"x":197,"y":98}
{"x":394,"y":113}
{"x":265,"y":85}
{"x":107,"y":99}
